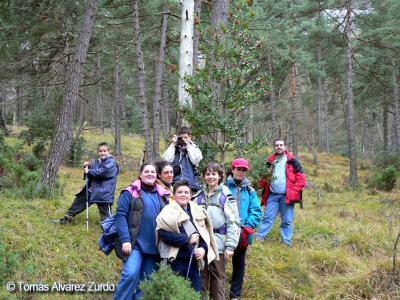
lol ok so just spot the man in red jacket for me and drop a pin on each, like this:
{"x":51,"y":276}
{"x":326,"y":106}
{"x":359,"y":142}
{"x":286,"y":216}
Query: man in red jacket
{"x":282,"y":189}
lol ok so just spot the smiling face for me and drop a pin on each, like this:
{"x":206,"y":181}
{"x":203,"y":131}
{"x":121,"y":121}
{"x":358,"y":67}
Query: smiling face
{"x":148,"y":175}
{"x":279,"y":147}
{"x":167,"y":174}
{"x":103,"y":152}
{"x":212,"y":178}
{"x":182,"y":195}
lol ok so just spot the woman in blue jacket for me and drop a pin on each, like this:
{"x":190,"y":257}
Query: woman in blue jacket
{"x":138,"y":207}
{"x":250,"y":215}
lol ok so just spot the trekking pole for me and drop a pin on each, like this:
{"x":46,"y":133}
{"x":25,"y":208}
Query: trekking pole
{"x":190,"y":260}
{"x":87,"y":201}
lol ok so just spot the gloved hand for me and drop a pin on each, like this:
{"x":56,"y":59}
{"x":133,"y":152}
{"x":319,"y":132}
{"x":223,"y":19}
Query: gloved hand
{"x":246,"y":237}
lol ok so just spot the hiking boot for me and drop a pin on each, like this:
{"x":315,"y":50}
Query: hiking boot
{"x":64,"y":220}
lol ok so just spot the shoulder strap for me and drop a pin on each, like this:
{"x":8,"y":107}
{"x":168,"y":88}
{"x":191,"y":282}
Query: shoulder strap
{"x":200,"y":199}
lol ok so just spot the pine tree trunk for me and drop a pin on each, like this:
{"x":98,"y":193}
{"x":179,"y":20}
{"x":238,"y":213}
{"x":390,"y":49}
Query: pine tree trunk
{"x":81,"y":121}
{"x":219,"y":18}
{"x":117,"y":107}
{"x":165,"y":117}
{"x":158,"y":81}
{"x":186,"y":54}
{"x":99,"y":94}
{"x":320,"y":99}
{"x":350,"y":106}
{"x":396,"y":106}
{"x":364,"y":133}
{"x":63,"y":133}
{"x":19,"y":106}
{"x":275,"y":133}
{"x":293,"y":104}
{"x":385,"y":113}
{"x":326,"y":120}
{"x":148,"y":155}
{"x":3,"y":126}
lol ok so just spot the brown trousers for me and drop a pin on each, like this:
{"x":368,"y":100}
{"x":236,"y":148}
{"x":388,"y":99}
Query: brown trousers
{"x":213,"y":279}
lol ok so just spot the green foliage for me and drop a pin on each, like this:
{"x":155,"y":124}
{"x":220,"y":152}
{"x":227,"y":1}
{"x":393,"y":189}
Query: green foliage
{"x":229,"y":84}
{"x":9,"y":262}
{"x":258,"y":166}
{"x":166,"y":285}
{"x":41,"y":125}
{"x":39,"y":150}
{"x":385,"y":179}
{"x":20,"y":172}
{"x":76,"y":151}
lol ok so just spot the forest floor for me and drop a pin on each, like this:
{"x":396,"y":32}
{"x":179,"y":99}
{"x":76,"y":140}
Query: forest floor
{"x":342,"y":246}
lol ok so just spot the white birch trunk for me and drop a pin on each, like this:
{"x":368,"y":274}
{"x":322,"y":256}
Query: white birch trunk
{"x":186,"y":52}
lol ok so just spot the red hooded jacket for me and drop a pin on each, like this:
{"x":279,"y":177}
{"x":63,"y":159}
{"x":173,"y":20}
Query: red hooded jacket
{"x":295,"y":179}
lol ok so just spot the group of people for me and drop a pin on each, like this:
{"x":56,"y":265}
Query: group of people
{"x":167,"y":215}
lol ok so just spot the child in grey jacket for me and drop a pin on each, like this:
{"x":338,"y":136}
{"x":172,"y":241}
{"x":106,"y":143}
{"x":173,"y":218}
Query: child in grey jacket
{"x":223,"y":212}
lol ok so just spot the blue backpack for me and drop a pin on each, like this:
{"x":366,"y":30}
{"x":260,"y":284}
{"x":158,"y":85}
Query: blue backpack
{"x":109,"y":236}
{"x":222,"y":200}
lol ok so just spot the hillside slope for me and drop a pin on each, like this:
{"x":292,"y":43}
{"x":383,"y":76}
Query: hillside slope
{"x":342,"y":246}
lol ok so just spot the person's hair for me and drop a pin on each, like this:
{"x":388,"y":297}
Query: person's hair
{"x":184,"y":130}
{"x":228,"y":171}
{"x":160,"y":165}
{"x":283,"y":140}
{"x":178,"y":184}
{"x":214,"y":167}
{"x":103,"y":144}
{"x":144,"y":165}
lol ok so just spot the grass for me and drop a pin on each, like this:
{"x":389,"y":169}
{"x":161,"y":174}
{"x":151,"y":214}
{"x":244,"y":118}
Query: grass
{"x":342,"y":245}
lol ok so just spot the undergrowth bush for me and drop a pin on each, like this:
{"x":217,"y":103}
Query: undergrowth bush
{"x":76,"y":151}
{"x":20,"y":173}
{"x":385,"y":179}
{"x":8,"y":263}
{"x":166,"y":285}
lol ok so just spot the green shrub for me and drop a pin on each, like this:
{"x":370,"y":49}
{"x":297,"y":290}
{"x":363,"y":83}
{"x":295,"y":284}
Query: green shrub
{"x":384,"y":179}
{"x":76,"y":152}
{"x":30,"y":162}
{"x":20,"y":173}
{"x":166,"y":285}
{"x":39,"y":150}
{"x":8,"y":263}
{"x":40,"y":123}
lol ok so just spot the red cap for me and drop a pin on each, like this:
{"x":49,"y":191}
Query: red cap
{"x":240,"y":163}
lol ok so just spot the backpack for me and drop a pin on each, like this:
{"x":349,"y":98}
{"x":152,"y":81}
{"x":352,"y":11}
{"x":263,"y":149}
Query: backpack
{"x":109,"y":235}
{"x":109,"y":239}
{"x":222,"y":200}
{"x":221,"y":205}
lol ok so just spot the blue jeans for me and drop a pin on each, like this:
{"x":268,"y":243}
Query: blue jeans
{"x":137,"y":267}
{"x":276,"y":203}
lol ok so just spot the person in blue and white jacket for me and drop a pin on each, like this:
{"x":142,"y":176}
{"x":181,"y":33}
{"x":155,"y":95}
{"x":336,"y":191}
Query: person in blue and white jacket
{"x":250,"y":216}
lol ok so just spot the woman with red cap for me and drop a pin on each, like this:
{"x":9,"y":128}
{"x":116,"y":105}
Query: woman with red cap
{"x":250,"y":215}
